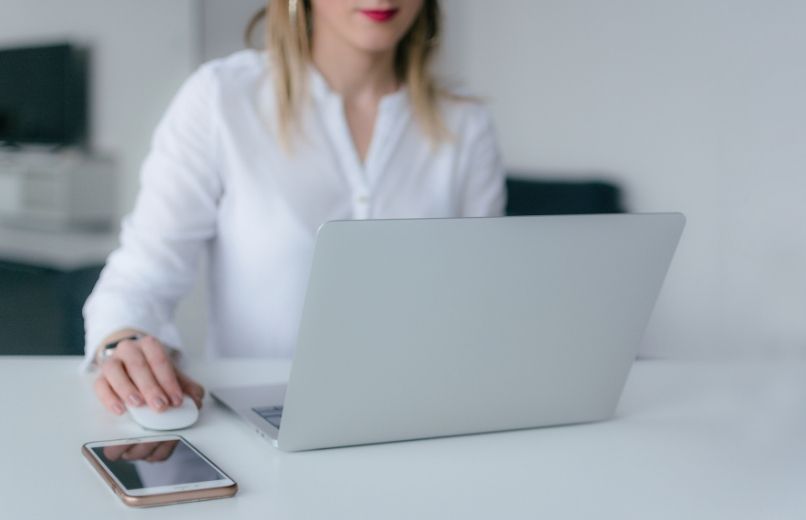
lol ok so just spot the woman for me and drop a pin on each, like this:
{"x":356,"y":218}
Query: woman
{"x":341,"y":120}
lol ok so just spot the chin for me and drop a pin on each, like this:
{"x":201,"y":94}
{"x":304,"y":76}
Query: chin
{"x":373,"y":37}
{"x":376,"y":43}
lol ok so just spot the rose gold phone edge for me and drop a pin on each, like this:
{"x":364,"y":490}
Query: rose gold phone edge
{"x":178,"y":497}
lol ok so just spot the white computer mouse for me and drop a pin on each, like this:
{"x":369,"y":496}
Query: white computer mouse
{"x":174,"y":418}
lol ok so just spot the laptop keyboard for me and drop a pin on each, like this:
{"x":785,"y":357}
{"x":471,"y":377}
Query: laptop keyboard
{"x":271,"y":414}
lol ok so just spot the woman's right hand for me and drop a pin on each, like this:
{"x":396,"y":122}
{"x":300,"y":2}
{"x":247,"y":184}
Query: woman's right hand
{"x":142,"y":372}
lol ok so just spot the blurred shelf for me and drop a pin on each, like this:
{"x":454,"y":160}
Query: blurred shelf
{"x":64,"y":250}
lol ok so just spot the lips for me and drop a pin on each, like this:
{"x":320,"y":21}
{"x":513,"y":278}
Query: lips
{"x":379,"y":15}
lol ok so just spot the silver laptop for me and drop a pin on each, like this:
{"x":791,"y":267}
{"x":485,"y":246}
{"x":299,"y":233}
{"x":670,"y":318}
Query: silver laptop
{"x":427,"y":328}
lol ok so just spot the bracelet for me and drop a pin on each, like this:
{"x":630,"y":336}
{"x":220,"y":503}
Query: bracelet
{"x":109,"y":348}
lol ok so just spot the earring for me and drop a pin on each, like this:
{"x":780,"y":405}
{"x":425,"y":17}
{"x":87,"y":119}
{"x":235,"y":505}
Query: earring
{"x":292,"y":12}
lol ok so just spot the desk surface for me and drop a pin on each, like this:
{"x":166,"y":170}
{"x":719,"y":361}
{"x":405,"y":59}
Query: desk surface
{"x":690,"y":440}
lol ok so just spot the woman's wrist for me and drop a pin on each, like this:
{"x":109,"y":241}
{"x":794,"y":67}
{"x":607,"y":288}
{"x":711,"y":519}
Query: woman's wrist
{"x":110,"y":343}
{"x":114,"y":338}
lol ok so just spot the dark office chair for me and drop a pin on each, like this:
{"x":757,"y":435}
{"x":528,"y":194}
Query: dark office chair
{"x":536,"y":196}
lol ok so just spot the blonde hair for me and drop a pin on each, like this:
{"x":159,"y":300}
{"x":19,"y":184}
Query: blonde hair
{"x":289,"y":44}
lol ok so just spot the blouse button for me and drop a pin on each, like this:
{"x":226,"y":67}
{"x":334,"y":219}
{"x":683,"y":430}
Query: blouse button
{"x":362,"y":199}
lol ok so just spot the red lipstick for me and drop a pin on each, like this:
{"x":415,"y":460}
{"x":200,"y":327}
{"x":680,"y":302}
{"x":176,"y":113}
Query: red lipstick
{"x":379,"y":15}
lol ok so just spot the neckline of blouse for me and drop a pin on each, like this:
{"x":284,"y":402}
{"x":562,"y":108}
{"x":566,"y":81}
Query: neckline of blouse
{"x":321,"y":91}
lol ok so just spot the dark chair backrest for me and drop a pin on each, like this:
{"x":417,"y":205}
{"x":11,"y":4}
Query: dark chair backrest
{"x":533,"y":196}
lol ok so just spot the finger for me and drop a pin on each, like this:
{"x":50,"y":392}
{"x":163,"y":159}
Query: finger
{"x":163,"y":368}
{"x":141,"y":451}
{"x":108,"y":397}
{"x":113,"y":453}
{"x":191,"y":388}
{"x":113,"y":370}
{"x":162,"y":452}
{"x":140,"y":373}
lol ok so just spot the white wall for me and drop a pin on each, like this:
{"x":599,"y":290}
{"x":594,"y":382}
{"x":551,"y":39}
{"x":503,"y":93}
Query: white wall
{"x":223,"y":24}
{"x":695,"y":106}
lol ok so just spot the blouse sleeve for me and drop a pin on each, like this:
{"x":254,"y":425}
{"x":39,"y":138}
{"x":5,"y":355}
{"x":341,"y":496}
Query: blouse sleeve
{"x":173,"y":218}
{"x":482,"y":169}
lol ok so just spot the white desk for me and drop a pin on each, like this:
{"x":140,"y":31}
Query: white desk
{"x":691,"y":441}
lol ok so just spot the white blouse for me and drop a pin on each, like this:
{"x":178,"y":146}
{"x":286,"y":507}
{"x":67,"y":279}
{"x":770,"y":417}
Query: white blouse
{"x":217,"y":182}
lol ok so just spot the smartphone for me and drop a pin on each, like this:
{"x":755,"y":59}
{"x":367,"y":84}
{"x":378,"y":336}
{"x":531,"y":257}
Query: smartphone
{"x":158,"y":470}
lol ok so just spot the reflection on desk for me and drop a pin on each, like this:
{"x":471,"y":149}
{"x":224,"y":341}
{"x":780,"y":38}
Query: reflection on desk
{"x":690,"y":441}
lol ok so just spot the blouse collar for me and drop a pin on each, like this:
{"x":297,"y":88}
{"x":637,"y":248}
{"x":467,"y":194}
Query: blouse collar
{"x":321,"y":91}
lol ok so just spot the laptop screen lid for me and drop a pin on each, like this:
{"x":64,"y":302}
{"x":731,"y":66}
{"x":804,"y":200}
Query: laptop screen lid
{"x":435,"y":327}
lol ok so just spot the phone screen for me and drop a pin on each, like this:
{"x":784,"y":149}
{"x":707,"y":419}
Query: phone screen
{"x":154,"y":464}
